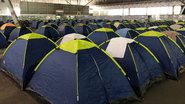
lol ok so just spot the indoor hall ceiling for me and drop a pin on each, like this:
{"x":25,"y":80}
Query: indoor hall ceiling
{"x":127,"y":2}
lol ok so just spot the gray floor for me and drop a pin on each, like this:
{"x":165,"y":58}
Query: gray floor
{"x":165,"y":92}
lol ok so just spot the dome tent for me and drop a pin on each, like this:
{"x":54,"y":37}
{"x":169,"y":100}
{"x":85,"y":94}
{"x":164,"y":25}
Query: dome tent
{"x":181,"y":31}
{"x":49,"y":32}
{"x":109,"y":25}
{"x":94,"y":26}
{"x":35,"y":24}
{"x":7,"y":28}
{"x":177,"y":37}
{"x":3,"y":41}
{"x":77,"y":72}
{"x":18,"y":32}
{"x":65,"y":29}
{"x":42,"y":24}
{"x":128,"y":33}
{"x":83,"y":29}
{"x":53,"y":25}
{"x":73,"y":36}
{"x":139,"y":63}
{"x":101,"y":35}
{"x":169,"y":54}
{"x":141,"y":30}
{"x":1,"y":23}
{"x":23,"y":54}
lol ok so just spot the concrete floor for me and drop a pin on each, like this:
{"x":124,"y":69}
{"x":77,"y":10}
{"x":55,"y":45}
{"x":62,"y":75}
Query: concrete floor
{"x":165,"y":92}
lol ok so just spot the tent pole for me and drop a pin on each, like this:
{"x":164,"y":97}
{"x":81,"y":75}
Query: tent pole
{"x":12,"y":11}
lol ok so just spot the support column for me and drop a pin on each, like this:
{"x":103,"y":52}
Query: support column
{"x":129,"y":11}
{"x":13,"y":13}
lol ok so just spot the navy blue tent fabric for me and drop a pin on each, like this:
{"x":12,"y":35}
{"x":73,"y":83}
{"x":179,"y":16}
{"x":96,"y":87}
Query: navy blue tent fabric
{"x":25,"y":23}
{"x":49,"y":32}
{"x":177,"y":55}
{"x":15,"y":57}
{"x":110,"y":26}
{"x":1,"y":23}
{"x":94,"y":26}
{"x":83,"y":29}
{"x":3,"y":41}
{"x":8,"y":31}
{"x":181,"y":41}
{"x":53,"y":25}
{"x":35,"y":24}
{"x":141,"y":31}
{"x":121,"y":26}
{"x":128,"y":33}
{"x":169,"y":55}
{"x":181,"y":32}
{"x":88,"y":77}
{"x":22,"y":57}
{"x":129,"y":26}
{"x":140,"y":66}
{"x":72,"y":23}
{"x":65,"y":29}
{"x":57,"y":22}
{"x":148,"y":68}
{"x":98,"y":37}
{"x":41,"y":24}
{"x":101,"y":23}
{"x":18,"y":32}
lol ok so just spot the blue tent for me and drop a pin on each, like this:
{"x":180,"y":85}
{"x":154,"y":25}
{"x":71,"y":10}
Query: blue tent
{"x":35,"y":24}
{"x":109,"y":25}
{"x":72,"y":36}
{"x":3,"y":41}
{"x":18,"y":32}
{"x":120,"y":26}
{"x":135,"y":25}
{"x":25,"y":23}
{"x":53,"y":25}
{"x":77,"y":73}
{"x":141,"y":30}
{"x":65,"y":29}
{"x":57,"y":22}
{"x":139,"y":63}
{"x":23,"y":55}
{"x":181,"y":31}
{"x":177,"y":37}
{"x":170,"y":55}
{"x":7,"y":28}
{"x":128,"y":25}
{"x":161,"y":28}
{"x":72,"y":23}
{"x":49,"y":32}
{"x":41,"y":24}
{"x":83,"y":29}
{"x":101,"y":23}
{"x":94,"y":26}
{"x":86,"y":22}
{"x":128,"y":33}
{"x":181,"y":41}
{"x":101,"y":35}
{"x":1,"y":23}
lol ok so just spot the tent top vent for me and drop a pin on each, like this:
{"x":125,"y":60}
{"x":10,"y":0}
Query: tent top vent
{"x":104,"y":30}
{"x":74,"y":46}
{"x":31,"y":36}
{"x":152,"y":34}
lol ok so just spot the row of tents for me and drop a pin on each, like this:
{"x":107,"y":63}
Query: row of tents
{"x":54,"y":32}
{"x":101,"y":67}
